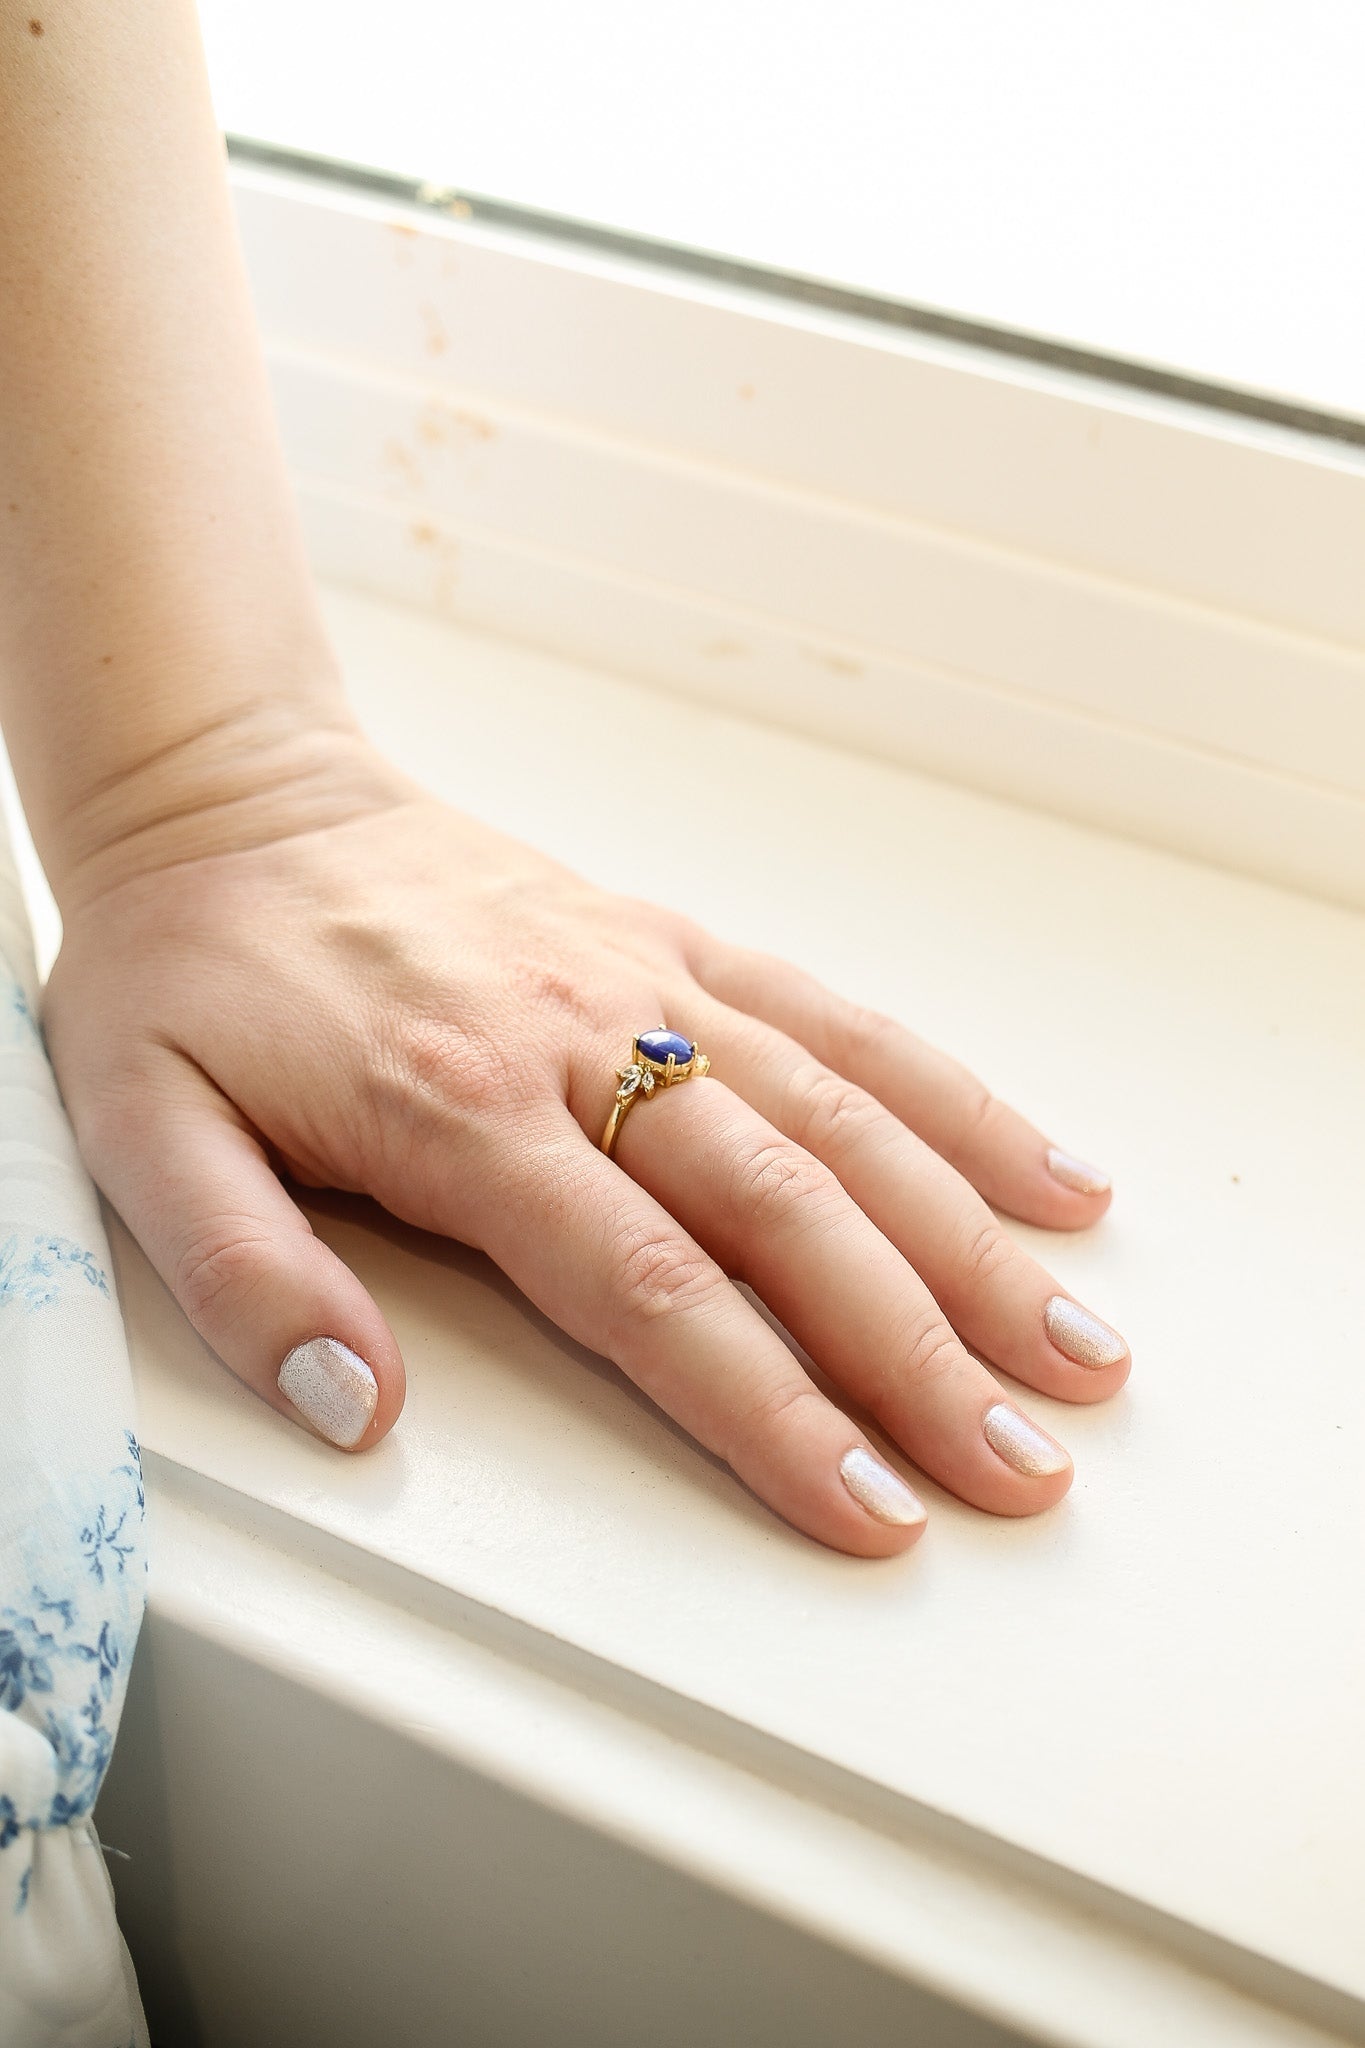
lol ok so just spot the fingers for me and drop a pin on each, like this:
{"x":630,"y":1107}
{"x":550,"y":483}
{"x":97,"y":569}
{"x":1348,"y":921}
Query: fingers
{"x":615,"y":1270}
{"x":278,"y":1307}
{"x":1007,"y":1306}
{"x":1014,"y":1166}
{"x":779,"y":1219}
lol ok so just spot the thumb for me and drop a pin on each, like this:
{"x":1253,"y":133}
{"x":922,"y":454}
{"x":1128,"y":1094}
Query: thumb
{"x":192,"y":1183}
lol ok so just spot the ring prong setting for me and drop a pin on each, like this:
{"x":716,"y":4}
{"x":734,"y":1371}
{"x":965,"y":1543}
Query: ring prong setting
{"x":658,"y":1059}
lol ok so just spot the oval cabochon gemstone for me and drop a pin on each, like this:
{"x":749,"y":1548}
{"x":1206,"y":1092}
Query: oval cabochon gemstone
{"x":657,"y":1045}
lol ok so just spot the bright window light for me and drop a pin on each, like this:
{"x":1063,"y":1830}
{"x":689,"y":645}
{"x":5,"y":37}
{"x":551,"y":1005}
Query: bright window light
{"x":1178,"y":184}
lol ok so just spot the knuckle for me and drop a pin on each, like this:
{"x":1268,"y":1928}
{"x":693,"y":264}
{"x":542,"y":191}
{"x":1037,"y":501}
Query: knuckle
{"x":933,"y":1352}
{"x":414,"y":1057}
{"x":979,"y":1107}
{"x":985,"y":1252}
{"x":868,"y":1034}
{"x":936,"y":1360}
{"x":658,"y":1276}
{"x":107,"y":1105}
{"x":694,"y":943}
{"x":107,"y":1127}
{"x":777,"y":1179}
{"x":425,"y":1061}
{"x":220,"y":1265}
{"x":479,"y":1077}
{"x":752,"y":971}
{"x":830,"y":1112}
{"x":771,"y":1410}
{"x":543,"y":984}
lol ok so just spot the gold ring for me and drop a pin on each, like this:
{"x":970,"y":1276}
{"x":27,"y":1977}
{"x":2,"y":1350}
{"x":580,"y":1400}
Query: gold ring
{"x":657,"y":1060}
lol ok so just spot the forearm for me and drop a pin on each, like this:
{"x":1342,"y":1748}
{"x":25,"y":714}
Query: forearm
{"x":153,"y":589}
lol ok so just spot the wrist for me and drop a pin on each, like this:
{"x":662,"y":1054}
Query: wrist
{"x":239,"y":771}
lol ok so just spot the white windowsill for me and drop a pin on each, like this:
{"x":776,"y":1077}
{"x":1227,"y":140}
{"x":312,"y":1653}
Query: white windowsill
{"x":1096,"y":1774}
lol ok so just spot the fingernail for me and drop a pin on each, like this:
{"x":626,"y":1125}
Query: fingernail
{"x":1080,"y":1336}
{"x":332,"y":1387}
{"x":1075,"y":1174}
{"x":1022,"y":1444}
{"x":881,"y":1491}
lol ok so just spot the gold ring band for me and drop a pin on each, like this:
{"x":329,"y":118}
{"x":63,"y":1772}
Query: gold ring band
{"x":658,"y":1059}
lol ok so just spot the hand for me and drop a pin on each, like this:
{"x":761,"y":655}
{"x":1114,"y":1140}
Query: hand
{"x":348,"y":983}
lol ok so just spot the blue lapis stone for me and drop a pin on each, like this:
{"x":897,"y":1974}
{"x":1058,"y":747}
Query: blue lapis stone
{"x":657,"y":1045}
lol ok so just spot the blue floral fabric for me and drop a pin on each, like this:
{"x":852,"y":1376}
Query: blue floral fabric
{"x":72,"y":1555}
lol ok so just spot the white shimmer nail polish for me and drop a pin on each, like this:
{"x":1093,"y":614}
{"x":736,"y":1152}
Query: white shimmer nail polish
{"x":332,"y":1387}
{"x":880,"y":1491}
{"x":1076,"y":1174}
{"x":1081,"y":1337}
{"x":1021,"y":1443}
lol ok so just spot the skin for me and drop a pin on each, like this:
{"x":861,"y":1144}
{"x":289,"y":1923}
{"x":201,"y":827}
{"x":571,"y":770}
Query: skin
{"x":282,"y":960}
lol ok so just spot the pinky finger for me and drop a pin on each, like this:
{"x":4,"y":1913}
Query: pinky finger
{"x":193,"y":1185}
{"x":1009,"y":1162}
{"x":613,"y":1269}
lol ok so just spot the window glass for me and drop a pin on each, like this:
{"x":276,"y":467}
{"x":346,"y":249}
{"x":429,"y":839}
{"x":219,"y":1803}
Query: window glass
{"x":1181,"y":185}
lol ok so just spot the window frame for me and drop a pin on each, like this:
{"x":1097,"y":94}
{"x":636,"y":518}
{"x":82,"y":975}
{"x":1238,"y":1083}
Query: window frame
{"x":1115,"y":604}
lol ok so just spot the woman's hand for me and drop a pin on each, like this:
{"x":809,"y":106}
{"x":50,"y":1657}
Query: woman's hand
{"x":280,"y":956}
{"x":324,"y":973}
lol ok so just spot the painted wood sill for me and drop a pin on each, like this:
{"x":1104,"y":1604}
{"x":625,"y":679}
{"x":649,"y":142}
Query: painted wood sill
{"x":1091,"y":1777}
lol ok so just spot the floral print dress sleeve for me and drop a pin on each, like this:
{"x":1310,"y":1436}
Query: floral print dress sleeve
{"x":72,"y":1558}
